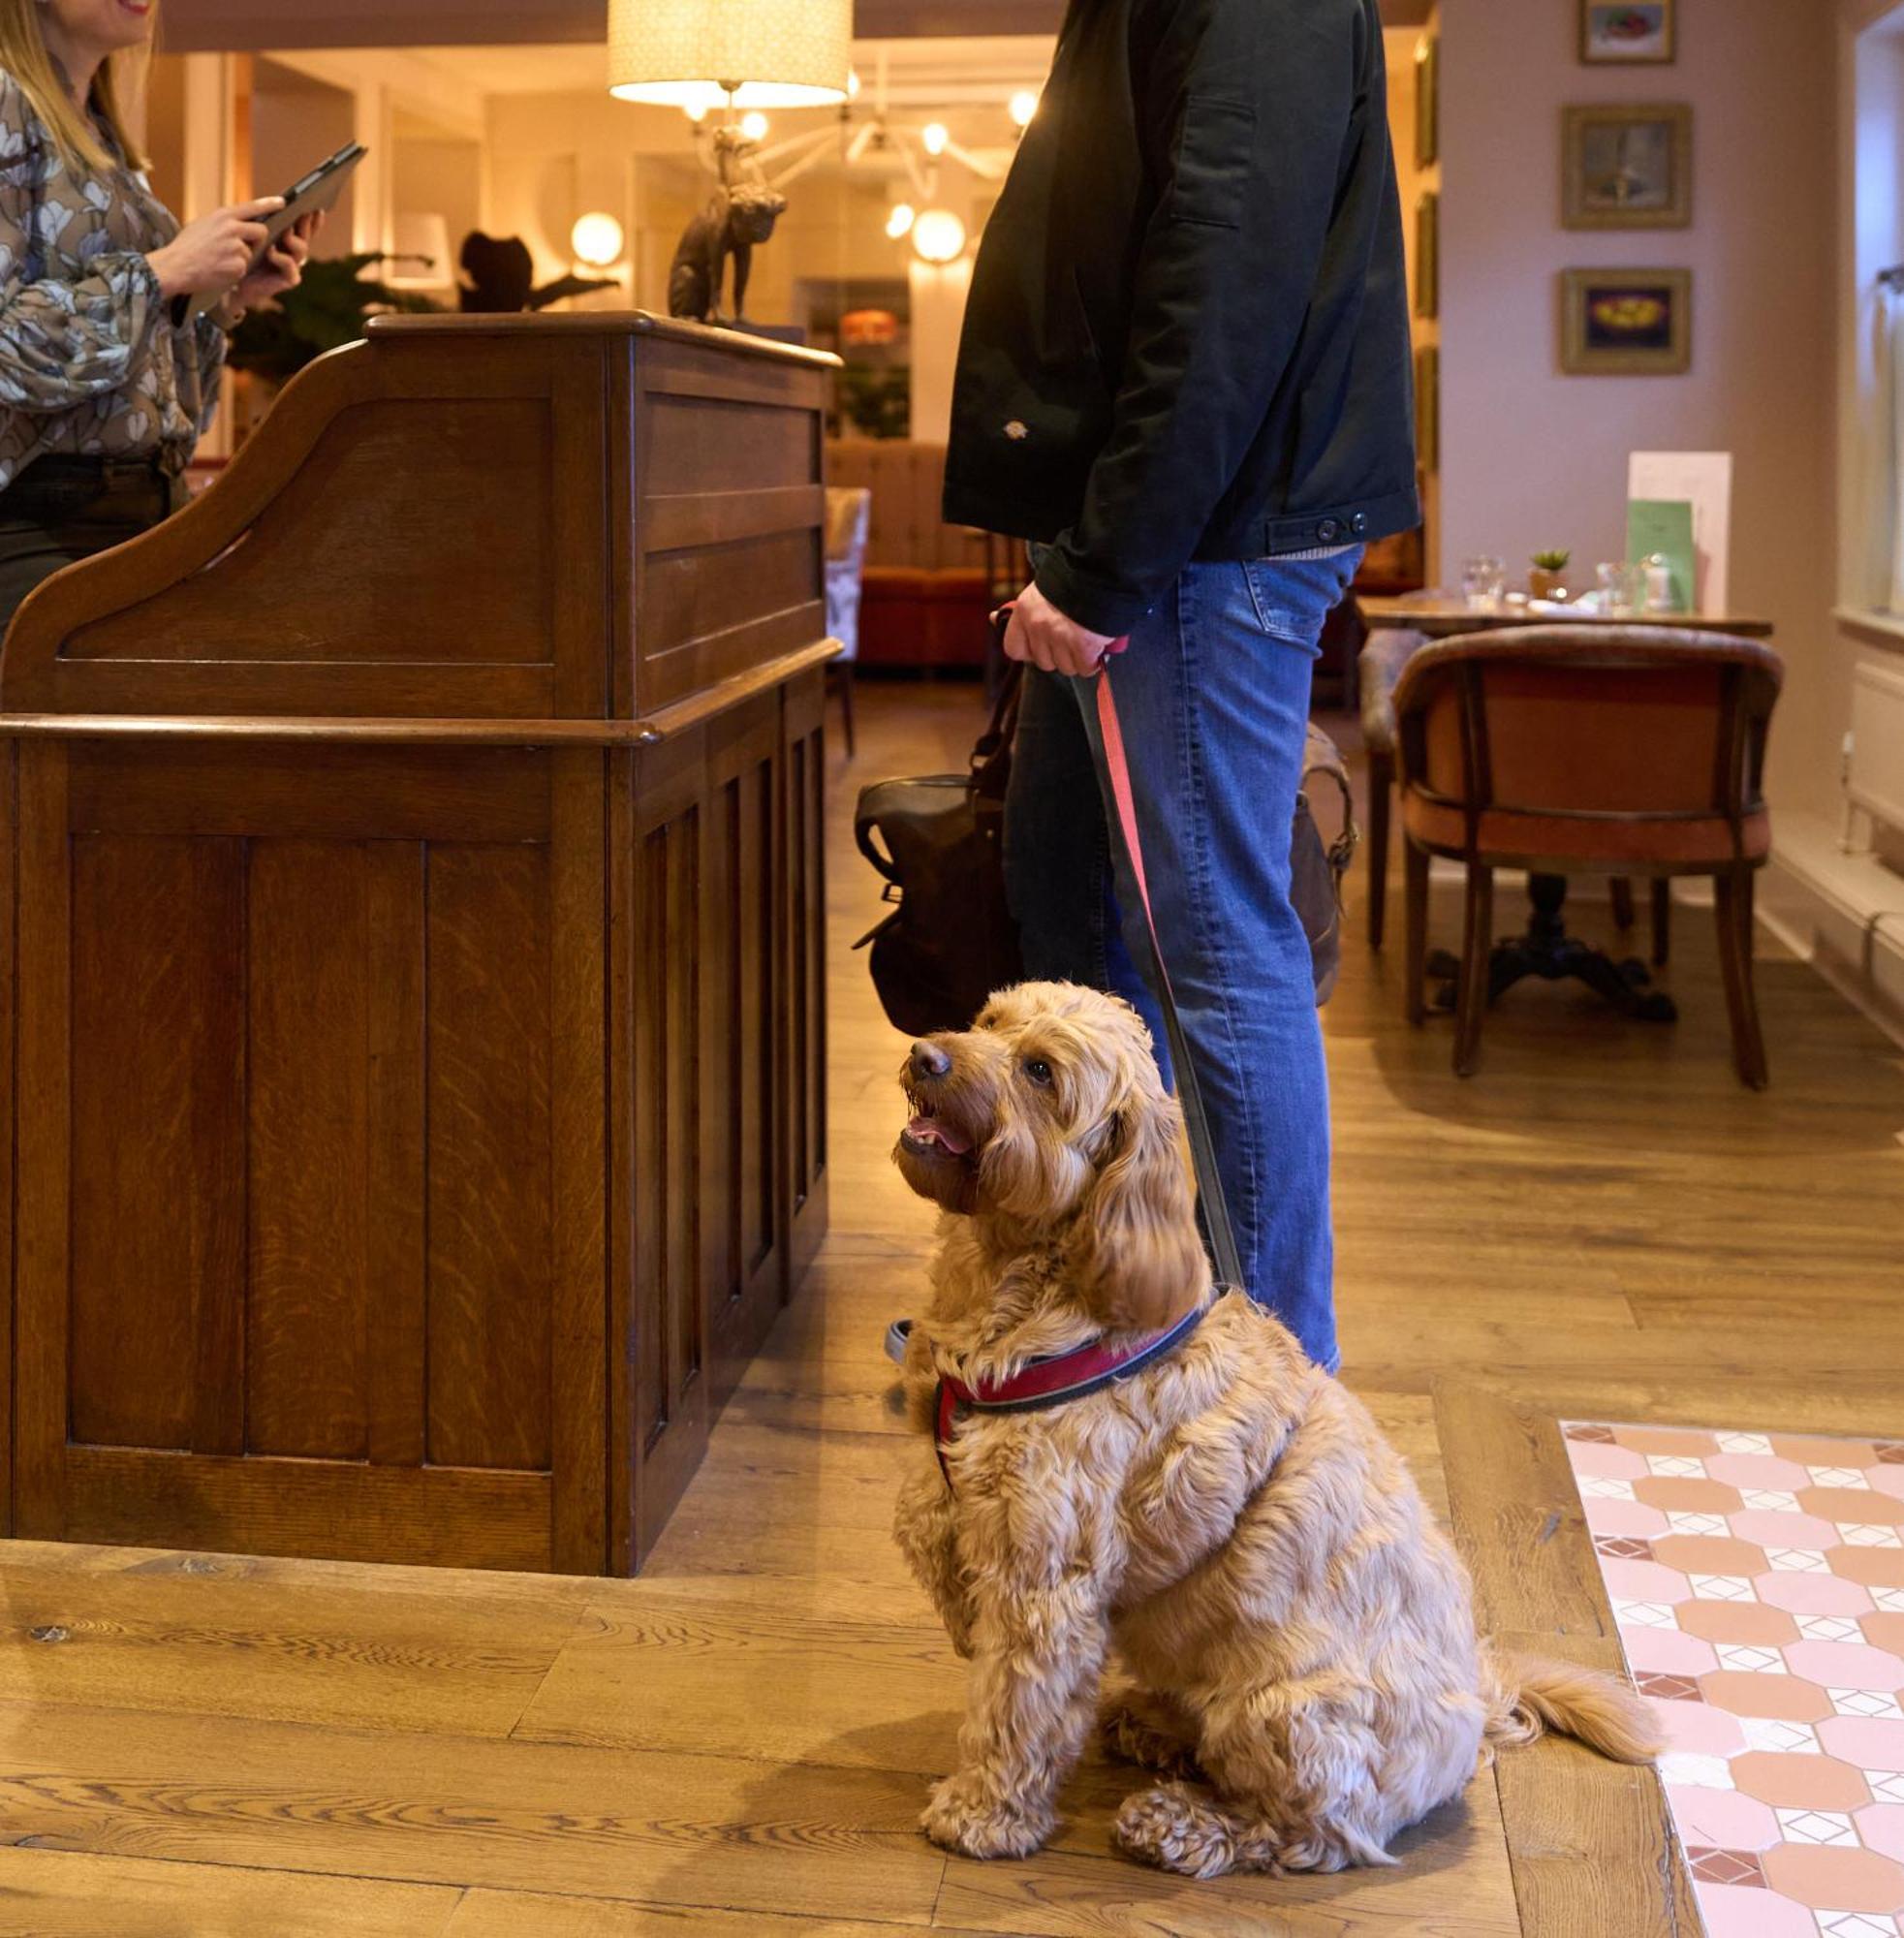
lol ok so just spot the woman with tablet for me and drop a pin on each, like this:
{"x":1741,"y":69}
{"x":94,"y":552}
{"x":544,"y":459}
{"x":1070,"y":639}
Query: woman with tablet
{"x":107,"y":377}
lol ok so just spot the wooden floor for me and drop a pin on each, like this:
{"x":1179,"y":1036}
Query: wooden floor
{"x":739,"y":1743}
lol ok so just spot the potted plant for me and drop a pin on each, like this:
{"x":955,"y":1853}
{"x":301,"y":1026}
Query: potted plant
{"x":326,"y":309}
{"x":1546,"y":580}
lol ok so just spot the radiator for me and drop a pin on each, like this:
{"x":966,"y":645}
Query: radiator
{"x":1875,"y":777}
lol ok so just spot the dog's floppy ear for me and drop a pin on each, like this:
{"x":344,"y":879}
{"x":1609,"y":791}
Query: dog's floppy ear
{"x":1136,"y":1257}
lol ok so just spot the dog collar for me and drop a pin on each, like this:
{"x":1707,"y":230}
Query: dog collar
{"x":1051,"y":1382}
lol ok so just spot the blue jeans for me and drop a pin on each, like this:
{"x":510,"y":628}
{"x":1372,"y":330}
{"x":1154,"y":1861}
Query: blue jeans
{"x":1213,"y":696}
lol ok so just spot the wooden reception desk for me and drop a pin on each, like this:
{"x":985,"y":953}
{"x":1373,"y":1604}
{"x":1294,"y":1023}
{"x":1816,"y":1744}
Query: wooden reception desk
{"x":413,"y":951}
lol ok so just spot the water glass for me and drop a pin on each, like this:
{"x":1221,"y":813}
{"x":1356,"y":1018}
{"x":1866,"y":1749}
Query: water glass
{"x":1625,"y":589}
{"x":1484,"y":582}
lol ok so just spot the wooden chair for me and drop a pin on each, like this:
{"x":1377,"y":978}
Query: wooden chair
{"x":1573,"y":750}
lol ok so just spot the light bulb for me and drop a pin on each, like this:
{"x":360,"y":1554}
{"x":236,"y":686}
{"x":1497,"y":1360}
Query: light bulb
{"x":899,"y":222}
{"x":938,"y":237}
{"x":696,"y":112}
{"x":754,"y":126}
{"x":1023,"y":106}
{"x":853,"y":83}
{"x":596,"y":240}
{"x":935,"y":138}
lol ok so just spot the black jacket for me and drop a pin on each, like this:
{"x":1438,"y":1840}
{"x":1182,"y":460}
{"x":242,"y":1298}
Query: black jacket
{"x":1188,"y":328}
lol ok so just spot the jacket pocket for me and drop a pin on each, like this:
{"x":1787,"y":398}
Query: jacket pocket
{"x":1213,"y":162}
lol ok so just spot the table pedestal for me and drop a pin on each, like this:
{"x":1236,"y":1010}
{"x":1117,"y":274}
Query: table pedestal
{"x":1548,"y":952}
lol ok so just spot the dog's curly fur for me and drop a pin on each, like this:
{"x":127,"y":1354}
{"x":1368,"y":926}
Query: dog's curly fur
{"x":1308,"y":1679}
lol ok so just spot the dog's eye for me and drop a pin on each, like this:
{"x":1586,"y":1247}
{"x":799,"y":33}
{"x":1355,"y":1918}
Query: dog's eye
{"x":1039,"y":1071}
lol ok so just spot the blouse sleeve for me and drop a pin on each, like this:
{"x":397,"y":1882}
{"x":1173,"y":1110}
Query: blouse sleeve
{"x":210,"y":346}
{"x":61,"y":341}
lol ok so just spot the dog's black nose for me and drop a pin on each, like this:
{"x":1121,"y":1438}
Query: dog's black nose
{"x":929,"y":1060}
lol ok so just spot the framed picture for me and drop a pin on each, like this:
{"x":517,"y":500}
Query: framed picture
{"x":1427,"y":101}
{"x":1626,"y":323}
{"x":1627,"y":168}
{"x":1428,"y":407}
{"x":1427,"y":255}
{"x":1629,"y":33}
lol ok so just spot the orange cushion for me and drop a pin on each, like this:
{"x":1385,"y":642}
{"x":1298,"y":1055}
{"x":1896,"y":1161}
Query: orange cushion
{"x":1506,"y":838}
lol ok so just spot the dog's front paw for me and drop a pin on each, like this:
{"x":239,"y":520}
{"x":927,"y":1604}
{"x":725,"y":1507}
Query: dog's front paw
{"x":961,"y":1818}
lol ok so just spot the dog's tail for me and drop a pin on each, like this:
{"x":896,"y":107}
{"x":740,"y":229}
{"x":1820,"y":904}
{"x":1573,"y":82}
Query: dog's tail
{"x":1534,"y":1694}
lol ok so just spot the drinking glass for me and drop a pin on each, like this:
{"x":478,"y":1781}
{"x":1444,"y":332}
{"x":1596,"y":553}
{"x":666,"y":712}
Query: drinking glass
{"x":1624,"y":587}
{"x":1484,"y":582}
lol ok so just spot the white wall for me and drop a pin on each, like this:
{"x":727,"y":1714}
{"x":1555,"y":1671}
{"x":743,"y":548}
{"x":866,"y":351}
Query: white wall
{"x":1532,"y":458}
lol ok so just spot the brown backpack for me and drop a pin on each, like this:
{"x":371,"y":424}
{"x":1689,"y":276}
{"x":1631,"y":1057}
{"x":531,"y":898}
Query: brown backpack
{"x":950,"y":940}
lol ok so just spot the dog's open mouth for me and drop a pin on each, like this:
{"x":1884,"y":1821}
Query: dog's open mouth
{"x":929,"y":1135}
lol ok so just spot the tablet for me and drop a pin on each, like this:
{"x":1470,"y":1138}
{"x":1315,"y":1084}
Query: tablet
{"x":309,"y":195}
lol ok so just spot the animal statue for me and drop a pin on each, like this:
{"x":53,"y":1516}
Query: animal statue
{"x":736,"y":219}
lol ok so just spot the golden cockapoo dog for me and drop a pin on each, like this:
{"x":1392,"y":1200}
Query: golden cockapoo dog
{"x":1307,"y":1677}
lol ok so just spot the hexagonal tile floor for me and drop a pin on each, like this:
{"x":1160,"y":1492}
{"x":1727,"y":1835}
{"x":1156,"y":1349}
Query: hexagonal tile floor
{"x":1758,"y":1581}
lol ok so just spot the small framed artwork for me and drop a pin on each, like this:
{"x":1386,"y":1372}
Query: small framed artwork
{"x":1427,"y":101}
{"x":1627,"y":168}
{"x":1428,"y":407}
{"x":1428,"y":256}
{"x":1629,"y":33}
{"x":1626,"y":323}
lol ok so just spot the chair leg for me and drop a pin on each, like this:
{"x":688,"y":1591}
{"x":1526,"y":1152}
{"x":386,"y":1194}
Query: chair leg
{"x":1381,"y":791}
{"x":1415,"y":994}
{"x":1734,"y":899}
{"x":1662,"y":921}
{"x":1477,"y":949}
{"x":1623,"y":903}
{"x":843,"y":670}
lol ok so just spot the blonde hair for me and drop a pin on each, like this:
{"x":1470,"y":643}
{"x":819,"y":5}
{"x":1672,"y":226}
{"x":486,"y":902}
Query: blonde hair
{"x":25,"y":55}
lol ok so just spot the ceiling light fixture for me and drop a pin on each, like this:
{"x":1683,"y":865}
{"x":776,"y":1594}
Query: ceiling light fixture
{"x":751,"y":53}
{"x":899,"y":221}
{"x":754,"y":126}
{"x":935,"y":138}
{"x":1023,"y":106}
{"x":938,"y":238}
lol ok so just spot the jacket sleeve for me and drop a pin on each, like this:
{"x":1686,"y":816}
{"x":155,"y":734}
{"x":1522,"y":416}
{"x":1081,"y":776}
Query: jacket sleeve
{"x":1250,"y":103}
{"x":61,"y":341}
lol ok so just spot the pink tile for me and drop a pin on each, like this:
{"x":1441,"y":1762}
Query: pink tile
{"x":1644,"y":1582}
{"x":1845,"y":1665}
{"x":1771,"y":1528}
{"x":1873,"y":1743}
{"x":1814,"y":1594}
{"x":1757,"y":1470}
{"x":1629,"y":1517}
{"x":1726,"y":1819}
{"x":1697,"y":1729}
{"x":1882,"y":1826}
{"x":1889,"y":1481}
{"x":1669,"y":1651}
{"x":1603,"y":1462}
{"x":1741,"y":1911}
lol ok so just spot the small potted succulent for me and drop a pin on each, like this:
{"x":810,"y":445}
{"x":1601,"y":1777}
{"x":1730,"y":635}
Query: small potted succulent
{"x":1546,"y":577}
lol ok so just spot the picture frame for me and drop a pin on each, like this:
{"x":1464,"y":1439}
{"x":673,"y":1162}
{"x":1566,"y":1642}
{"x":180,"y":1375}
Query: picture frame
{"x":1629,"y":33}
{"x":1428,"y":407}
{"x":1627,"y":165}
{"x":1626,"y":323}
{"x":1427,"y":101}
{"x":1428,"y":256}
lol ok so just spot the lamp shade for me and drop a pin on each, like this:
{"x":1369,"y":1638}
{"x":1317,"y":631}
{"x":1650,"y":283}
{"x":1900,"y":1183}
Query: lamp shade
{"x":770,"y":54}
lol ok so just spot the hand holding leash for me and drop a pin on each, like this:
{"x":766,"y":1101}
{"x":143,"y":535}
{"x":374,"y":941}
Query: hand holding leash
{"x":1037,"y":632}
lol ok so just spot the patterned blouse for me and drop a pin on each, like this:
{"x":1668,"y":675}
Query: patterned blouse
{"x":90,"y":360}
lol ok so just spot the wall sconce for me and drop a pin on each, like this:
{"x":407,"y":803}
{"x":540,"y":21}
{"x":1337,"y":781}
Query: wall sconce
{"x":421,"y":242}
{"x":938,"y":238}
{"x":596,"y":240}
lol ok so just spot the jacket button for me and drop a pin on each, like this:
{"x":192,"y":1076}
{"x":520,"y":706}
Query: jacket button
{"x":1359,"y":524}
{"x":1328,"y":531}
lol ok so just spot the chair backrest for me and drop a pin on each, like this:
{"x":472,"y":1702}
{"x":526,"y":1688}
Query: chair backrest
{"x":907,"y":480}
{"x":849,"y":519}
{"x":1631,"y":722}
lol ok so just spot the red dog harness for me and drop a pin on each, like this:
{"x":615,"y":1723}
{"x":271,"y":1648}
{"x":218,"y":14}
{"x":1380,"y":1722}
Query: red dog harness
{"x":1063,"y":1376}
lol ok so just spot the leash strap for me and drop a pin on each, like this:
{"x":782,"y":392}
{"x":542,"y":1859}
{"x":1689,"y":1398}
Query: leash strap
{"x":1102,"y":728}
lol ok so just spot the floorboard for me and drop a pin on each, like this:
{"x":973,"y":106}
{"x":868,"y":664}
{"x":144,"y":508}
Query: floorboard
{"x":739,"y":1742}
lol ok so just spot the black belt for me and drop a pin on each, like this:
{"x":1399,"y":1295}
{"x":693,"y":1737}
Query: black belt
{"x":60,"y":467}
{"x":65,"y":484}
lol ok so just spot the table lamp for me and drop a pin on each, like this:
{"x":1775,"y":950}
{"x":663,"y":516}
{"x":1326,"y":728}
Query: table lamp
{"x":745,"y":53}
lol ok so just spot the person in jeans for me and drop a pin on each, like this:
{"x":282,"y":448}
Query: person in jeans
{"x":1185,"y":378}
